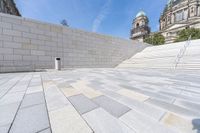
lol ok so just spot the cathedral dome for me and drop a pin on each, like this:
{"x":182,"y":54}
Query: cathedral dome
{"x":141,"y":13}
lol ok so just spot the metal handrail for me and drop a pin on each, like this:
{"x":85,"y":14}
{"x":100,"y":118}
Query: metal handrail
{"x":182,"y":52}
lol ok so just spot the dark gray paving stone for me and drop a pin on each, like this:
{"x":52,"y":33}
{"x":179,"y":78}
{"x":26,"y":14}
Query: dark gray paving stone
{"x":113,"y":107}
{"x":30,"y":120}
{"x":33,"y":99}
{"x":82,"y":103}
{"x":173,"y":108}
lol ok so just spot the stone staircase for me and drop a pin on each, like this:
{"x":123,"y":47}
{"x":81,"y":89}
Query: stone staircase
{"x":165,"y":57}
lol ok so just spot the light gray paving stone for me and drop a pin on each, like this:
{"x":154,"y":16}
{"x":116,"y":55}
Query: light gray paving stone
{"x":67,"y":119}
{"x":82,"y":104}
{"x":7,"y":113}
{"x":30,"y":120}
{"x":34,"y":89}
{"x":20,"y":88}
{"x":4,"y":129}
{"x":35,"y":83}
{"x":12,"y":98}
{"x":188,"y":105}
{"x":3,"y":80}
{"x":111,"y":87}
{"x":95,"y":86}
{"x":111,"y":94}
{"x":6,"y":87}
{"x":180,"y":96}
{"x":144,"y":124}
{"x":54,"y":98}
{"x":151,"y":111}
{"x":173,"y":108}
{"x":113,"y":107}
{"x":102,"y":122}
{"x":190,"y":94}
{"x":151,"y":94}
{"x":63,"y":84}
{"x":33,"y":99}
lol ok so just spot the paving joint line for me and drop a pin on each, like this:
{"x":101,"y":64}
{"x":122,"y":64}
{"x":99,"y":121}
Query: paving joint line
{"x":12,"y":86}
{"x":20,"y":104}
{"x":45,"y":101}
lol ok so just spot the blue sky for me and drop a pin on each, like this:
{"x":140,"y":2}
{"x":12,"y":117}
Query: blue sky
{"x":111,"y":17}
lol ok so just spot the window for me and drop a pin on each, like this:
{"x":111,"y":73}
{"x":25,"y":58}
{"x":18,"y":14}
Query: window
{"x":185,"y":16}
{"x":168,"y":18}
{"x":179,"y":16}
{"x":192,"y":10}
{"x":137,"y":25}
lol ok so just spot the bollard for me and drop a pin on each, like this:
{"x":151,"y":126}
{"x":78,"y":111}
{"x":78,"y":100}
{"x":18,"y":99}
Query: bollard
{"x":57,"y":63}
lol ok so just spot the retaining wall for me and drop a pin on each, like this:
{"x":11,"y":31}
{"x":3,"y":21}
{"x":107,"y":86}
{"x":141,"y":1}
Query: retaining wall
{"x":26,"y":45}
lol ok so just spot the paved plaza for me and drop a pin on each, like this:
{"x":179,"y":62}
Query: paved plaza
{"x":100,"y":101}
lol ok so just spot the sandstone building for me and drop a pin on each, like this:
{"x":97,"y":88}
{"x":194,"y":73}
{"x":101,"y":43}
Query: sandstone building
{"x":179,"y":15}
{"x":9,"y":7}
{"x":140,"y":29}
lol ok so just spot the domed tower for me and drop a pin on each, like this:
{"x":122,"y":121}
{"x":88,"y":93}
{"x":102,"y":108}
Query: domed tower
{"x":140,"y":29}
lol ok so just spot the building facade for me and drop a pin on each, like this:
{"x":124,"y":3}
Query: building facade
{"x":9,"y":7}
{"x":140,"y":27}
{"x":179,"y":15}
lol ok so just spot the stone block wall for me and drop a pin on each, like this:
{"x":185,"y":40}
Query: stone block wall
{"x":27,"y":45}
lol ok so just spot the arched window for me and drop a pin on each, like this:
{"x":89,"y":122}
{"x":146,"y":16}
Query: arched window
{"x":137,"y":25}
{"x":192,"y":9}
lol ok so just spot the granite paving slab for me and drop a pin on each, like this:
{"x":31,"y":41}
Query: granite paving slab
{"x":4,"y":129}
{"x":133,"y":95}
{"x":12,"y":98}
{"x":174,"y":108}
{"x":30,"y":120}
{"x":113,"y":107}
{"x":33,"y":99}
{"x":102,"y":122}
{"x":82,"y":104}
{"x":150,"y":93}
{"x":151,"y":111}
{"x":6,"y":87}
{"x":34,"y":89}
{"x":143,"y":124}
{"x":70,"y":91}
{"x":66,"y":119}
{"x":188,"y":105}
{"x":7,"y":113}
{"x":180,"y":123}
{"x":55,"y":98}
